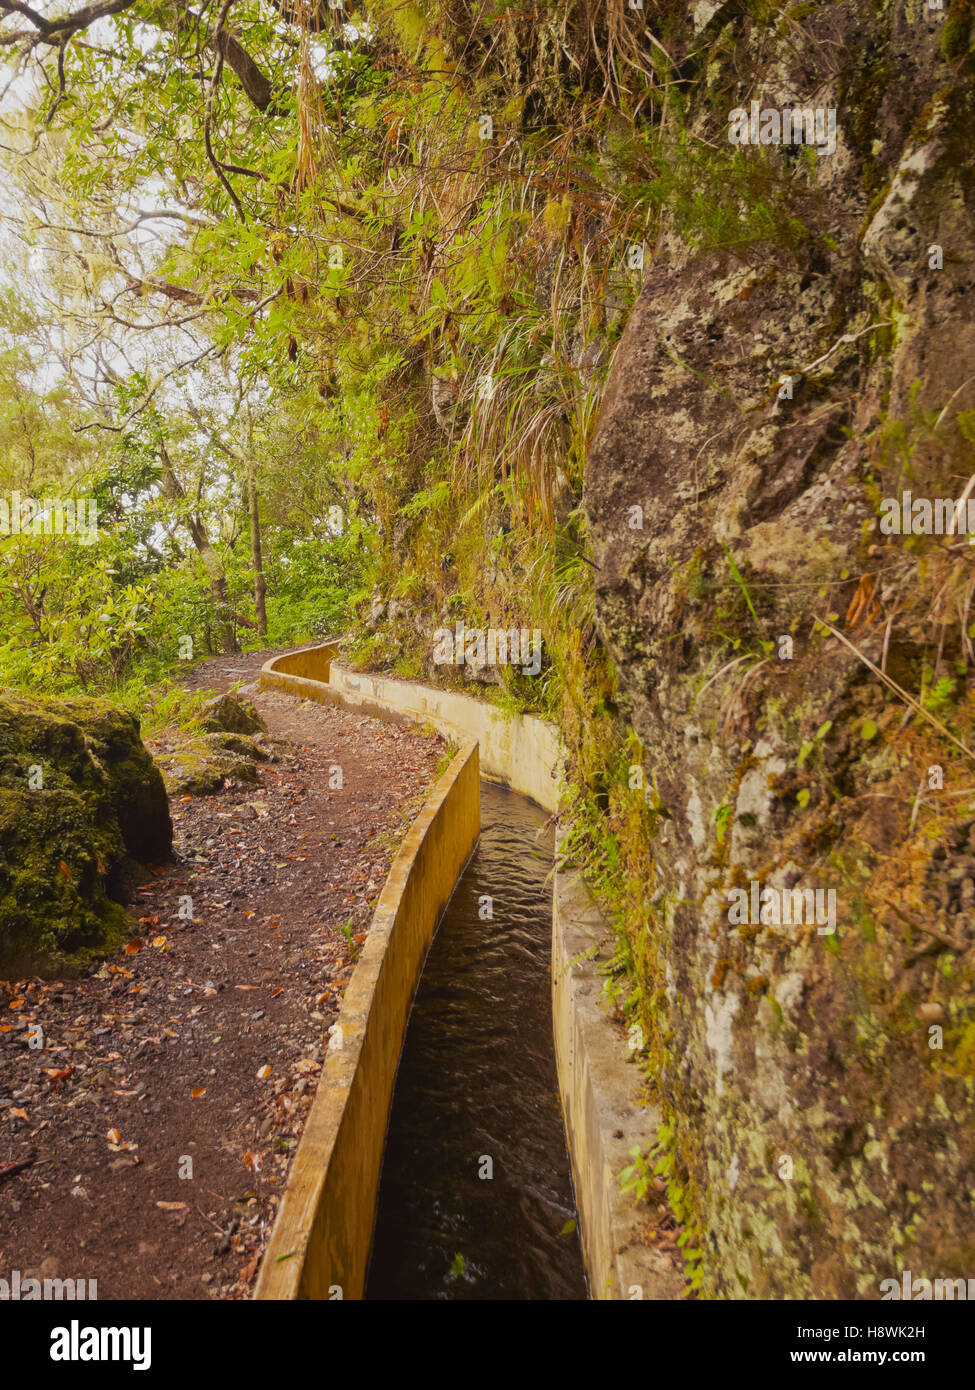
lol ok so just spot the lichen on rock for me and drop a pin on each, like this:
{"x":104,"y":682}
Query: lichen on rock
{"x":754,"y":413}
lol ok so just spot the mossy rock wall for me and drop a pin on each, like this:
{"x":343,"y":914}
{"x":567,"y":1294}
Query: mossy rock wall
{"x":820,"y":1085}
{"x":80,"y":802}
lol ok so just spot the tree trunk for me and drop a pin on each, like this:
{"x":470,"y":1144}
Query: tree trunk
{"x":221,"y":598}
{"x":211,"y":560}
{"x":257,"y":559}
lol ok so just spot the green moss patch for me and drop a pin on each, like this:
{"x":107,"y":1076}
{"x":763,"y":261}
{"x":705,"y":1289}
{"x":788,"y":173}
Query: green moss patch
{"x":80,"y":802}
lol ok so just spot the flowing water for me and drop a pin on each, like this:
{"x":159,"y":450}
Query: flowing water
{"x":477,"y":1092}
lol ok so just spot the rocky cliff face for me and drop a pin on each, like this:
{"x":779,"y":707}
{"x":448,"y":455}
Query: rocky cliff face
{"x":801,"y":682}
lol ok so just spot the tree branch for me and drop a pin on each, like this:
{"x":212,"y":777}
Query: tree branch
{"x":61,"y":92}
{"x":13,"y":7}
{"x":257,"y":87}
{"x":208,"y":118}
{"x":55,"y":31}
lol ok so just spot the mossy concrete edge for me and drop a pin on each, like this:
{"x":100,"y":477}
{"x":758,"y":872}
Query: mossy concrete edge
{"x":322,"y":1237}
{"x":604,"y":1114}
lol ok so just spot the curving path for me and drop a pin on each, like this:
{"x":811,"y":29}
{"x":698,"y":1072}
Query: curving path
{"x":164,"y":1109}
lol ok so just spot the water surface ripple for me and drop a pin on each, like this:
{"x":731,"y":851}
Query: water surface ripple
{"x":477,"y":1080}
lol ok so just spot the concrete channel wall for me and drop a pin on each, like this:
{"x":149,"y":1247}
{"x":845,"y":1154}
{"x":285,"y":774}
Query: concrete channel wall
{"x":599,"y":1086}
{"x":604,"y":1113}
{"x":519,"y":750}
{"x":319,"y":1248}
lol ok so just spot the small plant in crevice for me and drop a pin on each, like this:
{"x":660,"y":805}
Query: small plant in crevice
{"x":637,"y":1177}
{"x":721,"y":819}
{"x":348,"y":932}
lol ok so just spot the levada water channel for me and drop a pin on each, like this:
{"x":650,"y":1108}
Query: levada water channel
{"x":476,"y":1197}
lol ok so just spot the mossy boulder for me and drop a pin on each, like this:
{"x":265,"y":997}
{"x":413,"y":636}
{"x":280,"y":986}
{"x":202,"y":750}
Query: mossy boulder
{"x":244,"y":744}
{"x":80,"y":802}
{"x":230,"y":715}
{"x":204,"y":765}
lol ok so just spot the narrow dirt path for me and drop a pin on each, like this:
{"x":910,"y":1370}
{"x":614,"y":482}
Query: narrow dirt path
{"x":164,"y":1108}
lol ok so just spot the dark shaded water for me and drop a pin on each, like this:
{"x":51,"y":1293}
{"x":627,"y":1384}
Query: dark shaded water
{"x":477,"y":1082}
